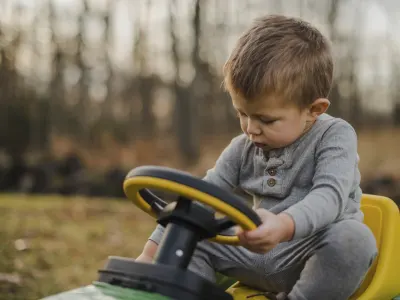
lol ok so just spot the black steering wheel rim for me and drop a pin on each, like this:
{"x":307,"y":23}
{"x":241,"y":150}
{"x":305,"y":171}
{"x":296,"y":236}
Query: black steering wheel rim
{"x":185,"y":179}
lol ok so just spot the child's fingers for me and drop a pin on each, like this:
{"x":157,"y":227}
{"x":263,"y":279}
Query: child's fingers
{"x":256,"y":246}
{"x":241,"y":236}
{"x":238,"y":230}
{"x":259,"y":243}
{"x":259,"y":233}
{"x":242,"y":239}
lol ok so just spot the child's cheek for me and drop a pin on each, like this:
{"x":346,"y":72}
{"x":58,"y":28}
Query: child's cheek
{"x":243,"y":125}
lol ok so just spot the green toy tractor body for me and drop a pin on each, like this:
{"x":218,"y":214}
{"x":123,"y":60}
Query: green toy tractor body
{"x":105,"y":291}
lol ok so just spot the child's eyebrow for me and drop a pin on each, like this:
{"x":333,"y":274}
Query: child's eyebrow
{"x":259,"y":116}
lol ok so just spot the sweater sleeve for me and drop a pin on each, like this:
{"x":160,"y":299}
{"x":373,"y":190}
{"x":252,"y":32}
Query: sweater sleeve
{"x":224,"y":174}
{"x":336,"y":161}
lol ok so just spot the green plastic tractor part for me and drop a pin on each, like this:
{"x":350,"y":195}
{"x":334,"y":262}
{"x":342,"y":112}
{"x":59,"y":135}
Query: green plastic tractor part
{"x":105,"y":291}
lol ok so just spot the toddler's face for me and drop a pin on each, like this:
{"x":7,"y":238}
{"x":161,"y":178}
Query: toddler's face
{"x":270,"y":124}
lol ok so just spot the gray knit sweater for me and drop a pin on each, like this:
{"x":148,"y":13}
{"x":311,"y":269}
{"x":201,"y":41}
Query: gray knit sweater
{"x":315,"y":179}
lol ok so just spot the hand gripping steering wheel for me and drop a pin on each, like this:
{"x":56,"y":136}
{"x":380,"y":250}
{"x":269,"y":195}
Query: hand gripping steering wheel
{"x":237,"y":212}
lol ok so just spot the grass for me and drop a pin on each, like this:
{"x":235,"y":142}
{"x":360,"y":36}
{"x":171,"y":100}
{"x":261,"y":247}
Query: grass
{"x":379,"y":152}
{"x":51,"y":244}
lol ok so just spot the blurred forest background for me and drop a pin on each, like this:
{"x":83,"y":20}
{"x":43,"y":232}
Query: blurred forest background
{"x":90,"y":89}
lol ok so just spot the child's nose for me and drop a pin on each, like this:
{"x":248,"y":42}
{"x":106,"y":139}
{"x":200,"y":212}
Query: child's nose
{"x":252,"y":128}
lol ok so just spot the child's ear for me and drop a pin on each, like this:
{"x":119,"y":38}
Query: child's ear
{"x":318,"y":107}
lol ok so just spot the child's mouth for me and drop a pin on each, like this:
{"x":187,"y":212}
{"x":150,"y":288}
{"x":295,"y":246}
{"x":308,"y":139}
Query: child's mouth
{"x":260,"y":145}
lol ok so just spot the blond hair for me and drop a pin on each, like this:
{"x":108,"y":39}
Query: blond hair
{"x":282,"y":56}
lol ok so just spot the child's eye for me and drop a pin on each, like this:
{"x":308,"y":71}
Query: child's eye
{"x":267,"y":121}
{"x":240,"y":114}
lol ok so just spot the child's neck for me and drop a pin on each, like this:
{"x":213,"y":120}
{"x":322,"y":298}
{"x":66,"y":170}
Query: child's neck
{"x":309,"y":125}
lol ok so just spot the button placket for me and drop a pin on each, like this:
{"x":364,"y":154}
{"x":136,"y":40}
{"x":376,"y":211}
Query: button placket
{"x":271,"y":182}
{"x":272,"y":172}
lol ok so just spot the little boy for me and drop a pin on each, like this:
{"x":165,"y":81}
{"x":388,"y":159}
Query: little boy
{"x":299,"y":164}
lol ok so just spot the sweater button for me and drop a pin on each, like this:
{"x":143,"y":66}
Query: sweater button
{"x":272,"y":172}
{"x":271,"y":182}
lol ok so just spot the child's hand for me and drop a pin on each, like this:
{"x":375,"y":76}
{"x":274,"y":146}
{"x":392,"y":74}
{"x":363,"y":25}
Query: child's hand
{"x":274,"y":229}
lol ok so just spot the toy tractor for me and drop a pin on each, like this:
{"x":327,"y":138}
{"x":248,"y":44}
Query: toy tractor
{"x":189,"y":220}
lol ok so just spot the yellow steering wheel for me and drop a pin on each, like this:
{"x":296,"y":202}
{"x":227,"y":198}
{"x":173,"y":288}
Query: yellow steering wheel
{"x":237,"y":212}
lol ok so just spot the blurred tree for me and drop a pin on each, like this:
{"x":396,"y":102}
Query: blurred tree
{"x":145,"y":82}
{"x":57,"y":92}
{"x":81,"y":109}
{"x":395,"y":87}
{"x":185,"y":115}
{"x":332,"y":16}
{"x":14,"y":113}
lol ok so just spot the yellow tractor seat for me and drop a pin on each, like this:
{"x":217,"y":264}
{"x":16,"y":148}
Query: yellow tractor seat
{"x":381,"y":215}
{"x":382,"y":282}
